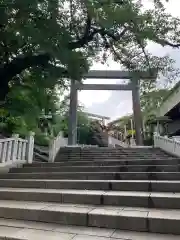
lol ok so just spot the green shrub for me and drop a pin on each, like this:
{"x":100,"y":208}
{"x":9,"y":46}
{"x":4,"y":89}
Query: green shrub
{"x":41,"y":138}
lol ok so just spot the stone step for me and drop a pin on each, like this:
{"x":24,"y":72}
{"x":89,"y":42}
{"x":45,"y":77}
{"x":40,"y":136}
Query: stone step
{"x":11,"y":229}
{"x":107,"y":198}
{"x":113,"y":185}
{"x":113,"y":150}
{"x":118,"y":168}
{"x":110,"y":159}
{"x":95,"y":175}
{"x":117,"y":152}
{"x":124,"y":218}
{"x":109,"y":148}
{"x":108,"y":162}
{"x":112,"y":153}
{"x":114,"y":156}
{"x":101,"y":155}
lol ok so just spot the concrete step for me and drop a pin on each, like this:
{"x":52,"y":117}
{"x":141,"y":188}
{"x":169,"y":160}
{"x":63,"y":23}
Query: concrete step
{"x":117,"y":153}
{"x":113,"y":185}
{"x":95,"y":175}
{"x":120,"y":168}
{"x":108,"y":162}
{"x":96,"y":156}
{"x":124,"y":218}
{"x":28,"y":230}
{"x":63,"y":159}
{"x":111,"y":198}
{"x":112,"y":151}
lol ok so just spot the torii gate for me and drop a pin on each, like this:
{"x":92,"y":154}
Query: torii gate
{"x":132,"y":86}
{"x":97,"y":116}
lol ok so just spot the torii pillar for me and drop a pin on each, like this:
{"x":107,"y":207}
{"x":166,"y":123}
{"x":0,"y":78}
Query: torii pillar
{"x":72,"y":123}
{"x":137,"y":111}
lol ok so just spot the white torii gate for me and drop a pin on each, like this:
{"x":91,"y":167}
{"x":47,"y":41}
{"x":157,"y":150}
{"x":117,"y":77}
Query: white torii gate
{"x":132,"y":86}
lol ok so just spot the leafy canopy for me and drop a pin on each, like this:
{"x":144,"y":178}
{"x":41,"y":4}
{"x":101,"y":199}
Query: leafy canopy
{"x":64,"y":36}
{"x":43,"y":43}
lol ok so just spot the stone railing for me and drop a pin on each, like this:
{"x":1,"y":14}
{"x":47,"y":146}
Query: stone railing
{"x":55,"y":145}
{"x":171,"y":146}
{"x":16,"y":150}
{"x":114,"y":141}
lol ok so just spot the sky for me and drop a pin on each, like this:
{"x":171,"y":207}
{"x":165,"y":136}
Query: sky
{"x":115,"y":104}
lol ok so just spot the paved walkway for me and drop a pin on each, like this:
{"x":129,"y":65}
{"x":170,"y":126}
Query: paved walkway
{"x":26,"y":230}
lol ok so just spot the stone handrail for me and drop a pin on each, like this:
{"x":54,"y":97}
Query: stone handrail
{"x":16,"y":150}
{"x":55,"y":145}
{"x":114,"y":141}
{"x":171,"y":146}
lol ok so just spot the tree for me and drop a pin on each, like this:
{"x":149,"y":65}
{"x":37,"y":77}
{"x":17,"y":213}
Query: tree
{"x":152,"y":100}
{"x":26,"y":102}
{"x":62,"y":38}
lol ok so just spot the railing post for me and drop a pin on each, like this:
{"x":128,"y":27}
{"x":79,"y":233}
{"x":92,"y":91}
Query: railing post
{"x":174,"y":145}
{"x":155,"y":135}
{"x":51,"y":150}
{"x":30,"y":147}
{"x":15,"y":147}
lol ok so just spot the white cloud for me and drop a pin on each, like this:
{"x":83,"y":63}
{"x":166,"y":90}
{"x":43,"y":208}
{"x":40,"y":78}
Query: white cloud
{"x":89,"y":98}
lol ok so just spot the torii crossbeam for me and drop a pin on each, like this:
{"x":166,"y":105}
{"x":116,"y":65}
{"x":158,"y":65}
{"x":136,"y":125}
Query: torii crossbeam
{"x":133,"y":86}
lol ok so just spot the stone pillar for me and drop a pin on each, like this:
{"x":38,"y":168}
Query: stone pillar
{"x":30,"y":147}
{"x":137,"y":111}
{"x":158,"y":128}
{"x":15,"y":147}
{"x":72,"y":125}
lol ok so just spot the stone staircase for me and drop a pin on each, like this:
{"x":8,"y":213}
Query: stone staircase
{"x":41,"y":154}
{"x":121,"y":190}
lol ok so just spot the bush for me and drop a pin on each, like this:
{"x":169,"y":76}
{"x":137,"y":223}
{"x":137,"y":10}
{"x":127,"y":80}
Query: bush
{"x":41,"y":138}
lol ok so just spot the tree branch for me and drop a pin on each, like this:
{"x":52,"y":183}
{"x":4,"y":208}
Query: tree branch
{"x":88,"y":38}
{"x":84,"y":40}
{"x":16,"y":66}
{"x":126,"y":63}
{"x":90,"y":32}
{"x":167,"y":43}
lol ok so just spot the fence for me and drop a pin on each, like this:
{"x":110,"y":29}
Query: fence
{"x":169,"y":145}
{"x":55,"y":145}
{"x":16,"y":150}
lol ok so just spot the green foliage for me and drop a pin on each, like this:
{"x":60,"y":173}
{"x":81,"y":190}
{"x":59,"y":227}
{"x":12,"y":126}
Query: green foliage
{"x":10,"y":124}
{"x":60,"y":124}
{"x":151,"y":101}
{"x":41,"y":138}
{"x":82,"y":126}
{"x":25,"y":104}
{"x":73,"y":33}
